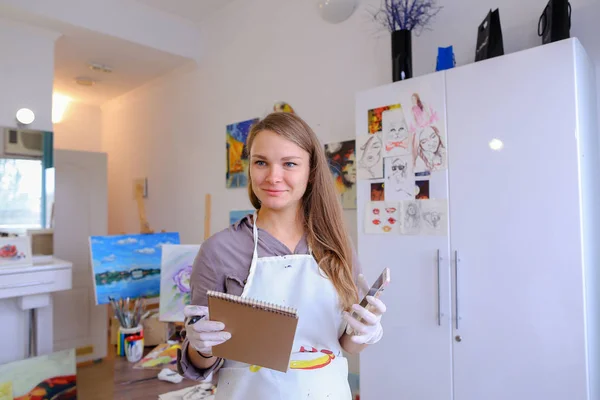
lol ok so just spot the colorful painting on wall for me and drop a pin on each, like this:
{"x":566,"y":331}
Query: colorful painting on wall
{"x":342,"y":162}
{"x":15,"y":251}
{"x":237,"y":157}
{"x":128,"y":265}
{"x":175,"y":272}
{"x":51,"y":376}
{"x":236,"y":215}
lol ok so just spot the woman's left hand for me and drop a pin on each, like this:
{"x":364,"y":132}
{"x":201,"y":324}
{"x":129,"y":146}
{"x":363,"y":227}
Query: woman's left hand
{"x":369,"y":330}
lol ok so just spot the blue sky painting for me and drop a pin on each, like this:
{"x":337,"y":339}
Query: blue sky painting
{"x":128,"y":265}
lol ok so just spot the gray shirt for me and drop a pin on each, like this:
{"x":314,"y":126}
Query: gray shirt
{"x":223,"y":264}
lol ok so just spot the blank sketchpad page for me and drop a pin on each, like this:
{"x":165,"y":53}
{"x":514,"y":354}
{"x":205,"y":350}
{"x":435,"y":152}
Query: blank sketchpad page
{"x":258,"y":337}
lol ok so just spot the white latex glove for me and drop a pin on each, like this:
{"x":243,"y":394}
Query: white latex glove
{"x":204,"y":334}
{"x":369,"y":330}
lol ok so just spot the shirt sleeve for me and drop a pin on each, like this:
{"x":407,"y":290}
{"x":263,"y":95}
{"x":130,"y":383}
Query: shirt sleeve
{"x":206,"y":275}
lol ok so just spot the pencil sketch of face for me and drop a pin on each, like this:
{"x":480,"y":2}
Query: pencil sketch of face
{"x":371,"y":152}
{"x":432,"y":218}
{"x":411,"y":215}
{"x":399,"y":169}
{"x":429,"y":140}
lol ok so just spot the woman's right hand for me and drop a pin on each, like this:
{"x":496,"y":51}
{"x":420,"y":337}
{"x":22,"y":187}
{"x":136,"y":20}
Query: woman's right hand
{"x":203,"y":334}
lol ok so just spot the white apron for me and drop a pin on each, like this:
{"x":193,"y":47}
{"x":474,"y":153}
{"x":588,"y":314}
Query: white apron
{"x":318,"y":370}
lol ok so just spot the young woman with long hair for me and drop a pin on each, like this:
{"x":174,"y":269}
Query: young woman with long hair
{"x":295,"y":242}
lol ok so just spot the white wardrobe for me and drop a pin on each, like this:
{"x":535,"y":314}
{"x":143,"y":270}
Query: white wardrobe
{"x":504,"y":303}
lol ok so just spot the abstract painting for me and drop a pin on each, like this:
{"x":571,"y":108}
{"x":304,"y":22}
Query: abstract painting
{"x":236,"y":215}
{"x":237,"y":156}
{"x":342,"y":163}
{"x":175,"y":273}
{"x":128,"y":265}
{"x":51,"y":376}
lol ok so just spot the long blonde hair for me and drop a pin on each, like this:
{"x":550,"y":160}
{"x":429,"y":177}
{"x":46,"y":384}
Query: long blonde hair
{"x":323,"y":217}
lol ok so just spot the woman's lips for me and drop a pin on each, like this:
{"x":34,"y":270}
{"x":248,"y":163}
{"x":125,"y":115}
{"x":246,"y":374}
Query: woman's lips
{"x":273,"y":192}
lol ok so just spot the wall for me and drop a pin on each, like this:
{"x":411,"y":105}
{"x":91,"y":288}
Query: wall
{"x":80,"y":128}
{"x":26,"y":73}
{"x":173,"y":130}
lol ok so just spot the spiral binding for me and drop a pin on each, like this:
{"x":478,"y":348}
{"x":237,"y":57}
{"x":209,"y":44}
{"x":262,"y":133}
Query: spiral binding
{"x":263,"y":305}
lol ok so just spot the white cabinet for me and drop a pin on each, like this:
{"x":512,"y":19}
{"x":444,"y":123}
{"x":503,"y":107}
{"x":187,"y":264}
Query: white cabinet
{"x":519,"y":276}
{"x":26,"y":307}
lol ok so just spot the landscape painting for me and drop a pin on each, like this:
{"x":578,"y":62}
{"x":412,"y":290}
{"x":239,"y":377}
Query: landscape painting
{"x":237,"y":157}
{"x":51,"y":376}
{"x":175,"y":273}
{"x":128,"y":265}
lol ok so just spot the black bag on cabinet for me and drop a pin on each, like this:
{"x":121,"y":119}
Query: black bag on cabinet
{"x":555,"y":21}
{"x":489,"y":37}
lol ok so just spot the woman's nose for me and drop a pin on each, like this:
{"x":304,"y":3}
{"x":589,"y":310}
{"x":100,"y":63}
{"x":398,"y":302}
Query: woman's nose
{"x":274,"y":175}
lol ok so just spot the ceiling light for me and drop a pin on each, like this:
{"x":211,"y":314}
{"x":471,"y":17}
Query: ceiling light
{"x":100,"y":68}
{"x":25,"y":116}
{"x":84,"y":81}
{"x":336,"y":11}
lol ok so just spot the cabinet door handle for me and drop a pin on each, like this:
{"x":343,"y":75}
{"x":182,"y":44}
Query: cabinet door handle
{"x":456,"y":287}
{"x":25,"y":284}
{"x":439,"y":297}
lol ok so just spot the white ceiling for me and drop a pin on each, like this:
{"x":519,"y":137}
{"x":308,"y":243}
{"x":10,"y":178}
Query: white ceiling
{"x":196,"y":11}
{"x":133,"y":65}
{"x":135,"y":60}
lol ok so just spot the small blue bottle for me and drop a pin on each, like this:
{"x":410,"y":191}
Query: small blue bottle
{"x":445,"y":58}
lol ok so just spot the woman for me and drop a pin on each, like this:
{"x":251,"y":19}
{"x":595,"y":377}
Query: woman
{"x":297,"y":228}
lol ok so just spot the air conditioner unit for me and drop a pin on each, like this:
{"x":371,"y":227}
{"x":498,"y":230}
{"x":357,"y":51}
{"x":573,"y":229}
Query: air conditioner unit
{"x":20,"y":142}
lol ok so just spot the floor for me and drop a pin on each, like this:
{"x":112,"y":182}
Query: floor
{"x":114,"y":378}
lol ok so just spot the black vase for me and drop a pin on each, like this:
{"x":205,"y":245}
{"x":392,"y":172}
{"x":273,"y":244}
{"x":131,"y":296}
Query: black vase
{"x":401,"y":55}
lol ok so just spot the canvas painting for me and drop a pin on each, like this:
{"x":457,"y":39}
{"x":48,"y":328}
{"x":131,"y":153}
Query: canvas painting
{"x":15,"y":251}
{"x":128,"y":265}
{"x":51,"y":376}
{"x":236,"y":215}
{"x":237,"y":157}
{"x":175,"y":273}
{"x":342,"y":163}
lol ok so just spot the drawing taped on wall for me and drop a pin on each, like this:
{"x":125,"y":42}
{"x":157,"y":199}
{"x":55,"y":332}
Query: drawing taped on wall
{"x":400,"y":179}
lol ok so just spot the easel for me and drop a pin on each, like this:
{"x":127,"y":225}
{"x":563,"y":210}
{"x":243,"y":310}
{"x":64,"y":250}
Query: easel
{"x":139,"y":198}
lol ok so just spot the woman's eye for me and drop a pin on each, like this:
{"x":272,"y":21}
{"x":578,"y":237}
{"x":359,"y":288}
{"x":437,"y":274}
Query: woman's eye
{"x":261,"y":163}
{"x":290,"y":164}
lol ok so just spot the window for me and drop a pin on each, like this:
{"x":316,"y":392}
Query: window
{"x":21,"y":188}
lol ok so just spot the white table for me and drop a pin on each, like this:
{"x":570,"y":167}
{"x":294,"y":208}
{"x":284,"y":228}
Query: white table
{"x":26,"y":306}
